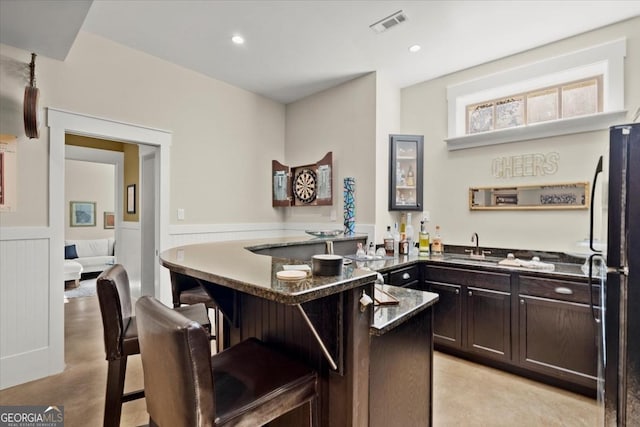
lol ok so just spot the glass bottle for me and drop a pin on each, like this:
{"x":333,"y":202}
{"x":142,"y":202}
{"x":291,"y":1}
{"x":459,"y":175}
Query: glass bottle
{"x":409,"y":233}
{"x":410,"y":177}
{"x":388,"y":242}
{"x":437,"y":248}
{"x":396,"y":240}
{"x":423,"y":242}
{"x":372,"y":250}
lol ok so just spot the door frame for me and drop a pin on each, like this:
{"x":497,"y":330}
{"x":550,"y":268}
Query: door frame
{"x":61,"y":122}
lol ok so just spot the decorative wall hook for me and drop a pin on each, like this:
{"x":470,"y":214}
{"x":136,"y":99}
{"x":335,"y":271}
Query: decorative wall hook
{"x":31,"y":96}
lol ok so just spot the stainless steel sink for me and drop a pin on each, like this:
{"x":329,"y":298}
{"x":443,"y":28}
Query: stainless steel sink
{"x":472,"y":260}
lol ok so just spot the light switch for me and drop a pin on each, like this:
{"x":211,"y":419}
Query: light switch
{"x":427,"y":216}
{"x":180,"y":214}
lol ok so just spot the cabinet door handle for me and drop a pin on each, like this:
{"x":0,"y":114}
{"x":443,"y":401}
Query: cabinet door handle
{"x":457,"y":291}
{"x":406,"y":276}
{"x":470,"y":293}
{"x":563,"y":291}
{"x":522,"y":301}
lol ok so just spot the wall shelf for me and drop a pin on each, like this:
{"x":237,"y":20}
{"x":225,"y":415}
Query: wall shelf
{"x":591,"y":122}
{"x":572,"y":195}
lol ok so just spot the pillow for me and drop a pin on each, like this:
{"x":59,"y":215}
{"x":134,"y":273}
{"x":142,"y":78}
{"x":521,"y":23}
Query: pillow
{"x":70,"y":252}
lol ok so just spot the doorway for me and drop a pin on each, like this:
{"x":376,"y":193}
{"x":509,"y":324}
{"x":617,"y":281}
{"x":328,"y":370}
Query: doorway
{"x":60,"y":123}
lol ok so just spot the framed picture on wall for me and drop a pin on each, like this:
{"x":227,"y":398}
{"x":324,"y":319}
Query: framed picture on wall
{"x":83,"y":214}
{"x":131,"y":198}
{"x":109,"y":220}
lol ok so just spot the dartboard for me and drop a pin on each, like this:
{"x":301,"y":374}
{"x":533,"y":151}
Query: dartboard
{"x":305,"y":185}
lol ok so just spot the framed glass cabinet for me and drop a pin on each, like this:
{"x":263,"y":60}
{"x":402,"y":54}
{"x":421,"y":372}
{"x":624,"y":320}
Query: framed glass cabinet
{"x":405,"y":172}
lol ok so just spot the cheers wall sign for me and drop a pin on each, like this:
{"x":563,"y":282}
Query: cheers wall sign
{"x":536,"y":164}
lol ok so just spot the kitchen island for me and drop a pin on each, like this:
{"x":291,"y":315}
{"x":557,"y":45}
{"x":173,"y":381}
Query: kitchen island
{"x":374,"y":362}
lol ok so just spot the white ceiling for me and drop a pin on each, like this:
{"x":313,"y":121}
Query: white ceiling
{"x":296,"y":48}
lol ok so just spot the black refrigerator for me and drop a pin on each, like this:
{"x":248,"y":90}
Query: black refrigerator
{"x":620,"y":322}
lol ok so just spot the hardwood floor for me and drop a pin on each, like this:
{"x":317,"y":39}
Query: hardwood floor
{"x":466,"y":394}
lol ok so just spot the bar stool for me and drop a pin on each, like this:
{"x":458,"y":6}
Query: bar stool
{"x":248,"y":384}
{"x":121,"y":336}
{"x":186,"y":290}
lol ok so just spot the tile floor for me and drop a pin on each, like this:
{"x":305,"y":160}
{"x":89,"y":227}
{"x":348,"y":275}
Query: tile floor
{"x":465,"y":394}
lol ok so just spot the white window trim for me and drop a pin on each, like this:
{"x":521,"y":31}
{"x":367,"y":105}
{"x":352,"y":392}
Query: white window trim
{"x":606,"y":59}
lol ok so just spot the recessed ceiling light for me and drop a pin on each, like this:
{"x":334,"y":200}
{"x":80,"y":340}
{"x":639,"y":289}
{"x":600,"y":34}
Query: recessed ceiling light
{"x":414,"y":48}
{"x":237,"y":39}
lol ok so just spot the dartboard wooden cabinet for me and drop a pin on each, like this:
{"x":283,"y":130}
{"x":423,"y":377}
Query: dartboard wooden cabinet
{"x":307,"y":185}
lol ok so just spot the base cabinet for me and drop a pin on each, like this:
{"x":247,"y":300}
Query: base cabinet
{"x":473,"y":313}
{"x":535,"y":326}
{"x":447,"y":320}
{"x":489,"y":323}
{"x":557,"y":337}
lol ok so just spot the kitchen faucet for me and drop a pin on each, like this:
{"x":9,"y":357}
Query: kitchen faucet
{"x":475,"y":239}
{"x":476,"y":253}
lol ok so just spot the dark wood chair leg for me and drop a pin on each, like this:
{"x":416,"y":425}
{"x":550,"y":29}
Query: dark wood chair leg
{"x":115,"y":388}
{"x":313,"y":411}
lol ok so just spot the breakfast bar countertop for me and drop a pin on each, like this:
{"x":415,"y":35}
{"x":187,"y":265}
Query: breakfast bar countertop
{"x":232,"y":264}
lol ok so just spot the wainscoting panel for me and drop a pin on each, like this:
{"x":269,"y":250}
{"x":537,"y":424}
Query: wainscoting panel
{"x":25,"y":309}
{"x":128,"y":249}
{"x":201,"y":233}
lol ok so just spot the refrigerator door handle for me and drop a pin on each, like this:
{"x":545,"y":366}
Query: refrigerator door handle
{"x":593,"y":193}
{"x":594,"y":314}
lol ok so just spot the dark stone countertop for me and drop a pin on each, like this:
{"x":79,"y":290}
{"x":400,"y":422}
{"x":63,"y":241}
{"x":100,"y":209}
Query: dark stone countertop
{"x":411,"y":302}
{"x":233,"y":265}
{"x":565,"y":266}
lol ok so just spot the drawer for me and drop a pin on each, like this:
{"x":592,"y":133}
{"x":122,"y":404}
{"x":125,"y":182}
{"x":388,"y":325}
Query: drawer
{"x":459,"y":276}
{"x":404,"y":276}
{"x":558,"y":289}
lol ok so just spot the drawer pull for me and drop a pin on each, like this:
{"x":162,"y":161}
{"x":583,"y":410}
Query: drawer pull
{"x":563,"y":291}
{"x":406,"y":276}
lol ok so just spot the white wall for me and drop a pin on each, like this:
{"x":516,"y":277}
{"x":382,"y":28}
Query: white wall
{"x":342,"y":120}
{"x":449,"y":174}
{"x":387,"y":122}
{"x":89,"y":182}
{"x":223,"y":137}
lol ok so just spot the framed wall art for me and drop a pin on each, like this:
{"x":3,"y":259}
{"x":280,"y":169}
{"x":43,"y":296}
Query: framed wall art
{"x":83,"y":214}
{"x":131,"y":198}
{"x":109,"y":220}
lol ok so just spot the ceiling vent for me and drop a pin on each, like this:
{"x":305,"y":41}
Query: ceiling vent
{"x":389,"y":22}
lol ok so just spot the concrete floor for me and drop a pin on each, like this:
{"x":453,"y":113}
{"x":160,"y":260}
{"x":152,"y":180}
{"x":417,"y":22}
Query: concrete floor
{"x":465,"y":394}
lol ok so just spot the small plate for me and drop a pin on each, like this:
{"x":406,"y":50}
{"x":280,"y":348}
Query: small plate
{"x":324,"y":233}
{"x":291,"y":275}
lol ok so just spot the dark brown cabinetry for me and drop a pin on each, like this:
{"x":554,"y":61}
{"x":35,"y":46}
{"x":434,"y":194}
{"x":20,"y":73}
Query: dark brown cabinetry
{"x":447,"y":319}
{"x":488,"y":323}
{"x":404,"y":277}
{"x":535,"y":326}
{"x":556,"y":330}
{"x":473,"y":313}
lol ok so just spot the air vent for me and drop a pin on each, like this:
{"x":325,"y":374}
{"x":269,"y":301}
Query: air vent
{"x":389,"y":22}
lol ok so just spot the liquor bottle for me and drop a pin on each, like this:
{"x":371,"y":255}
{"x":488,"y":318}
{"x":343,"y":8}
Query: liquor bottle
{"x":388,"y":242}
{"x":423,"y":242}
{"x":403,"y":223}
{"x":403,"y":246}
{"x":437,"y":248}
{"x":410,"y":236}
{"x":396,"y":240}
{"x":410,"y":177}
